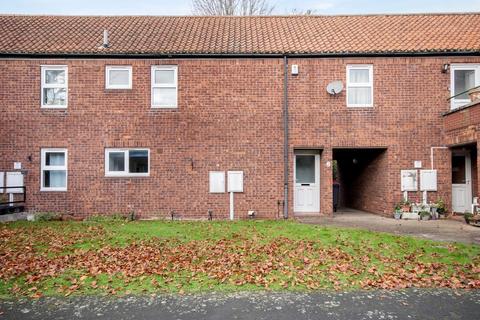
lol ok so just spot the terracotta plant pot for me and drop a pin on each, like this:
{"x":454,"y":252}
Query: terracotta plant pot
{"x":474,"y":94}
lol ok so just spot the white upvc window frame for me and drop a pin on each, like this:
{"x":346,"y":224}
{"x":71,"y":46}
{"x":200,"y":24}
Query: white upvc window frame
{"x":117,"y":86}
{"x":155,"y":85}
{"x":360,"y":85}
{"x":454,"y":102}
{"x":44,"y":85}
{"x":126,"y":172}
{"x":44,"y":167}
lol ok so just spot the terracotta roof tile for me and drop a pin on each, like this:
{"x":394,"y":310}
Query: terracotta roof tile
{"x":241,"y":35}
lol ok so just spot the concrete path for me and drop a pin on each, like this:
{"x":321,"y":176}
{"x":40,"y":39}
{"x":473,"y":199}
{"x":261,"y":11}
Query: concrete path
{"x":406,"y":304}
{"x":442,"y":230}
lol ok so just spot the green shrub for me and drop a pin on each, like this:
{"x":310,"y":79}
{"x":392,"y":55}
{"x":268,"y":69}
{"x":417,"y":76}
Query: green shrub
{"x":468,"y":217}
{"x":440,"y":205}
{"x":423,"y":213}
{"x":48,"y":216}
{"x":112,"y":217}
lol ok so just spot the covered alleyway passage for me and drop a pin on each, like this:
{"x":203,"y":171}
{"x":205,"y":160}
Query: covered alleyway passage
{"x":363,"y":178}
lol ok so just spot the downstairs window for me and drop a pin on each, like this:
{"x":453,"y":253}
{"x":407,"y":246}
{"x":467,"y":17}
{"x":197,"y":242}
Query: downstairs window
{"x":53,"y":170}
{"x":127,"y":162}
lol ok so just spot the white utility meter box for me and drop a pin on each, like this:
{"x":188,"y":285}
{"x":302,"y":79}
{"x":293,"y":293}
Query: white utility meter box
{"x":409,"y":180}
{"x":217,"y":181}
{"x":14,"y":179}
{"x":428,"y":180}
{"x":235,"y":181}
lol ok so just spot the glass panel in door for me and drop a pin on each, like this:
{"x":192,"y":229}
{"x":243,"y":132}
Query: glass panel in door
{"x":458,"y":170}
{"x":305,"y":169}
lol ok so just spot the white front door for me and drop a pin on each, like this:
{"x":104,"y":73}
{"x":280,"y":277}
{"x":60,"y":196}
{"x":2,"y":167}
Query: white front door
{"x":461,"y":182}
{"x":307,"y":183}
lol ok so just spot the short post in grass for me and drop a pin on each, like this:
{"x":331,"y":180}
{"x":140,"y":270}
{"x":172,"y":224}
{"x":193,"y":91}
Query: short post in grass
{"x":234,"y":184}
{"x":232,"y":207}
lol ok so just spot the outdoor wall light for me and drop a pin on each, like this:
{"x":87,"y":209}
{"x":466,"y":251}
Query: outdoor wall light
{"x":445,"y":68}
{"x":355,"y":161}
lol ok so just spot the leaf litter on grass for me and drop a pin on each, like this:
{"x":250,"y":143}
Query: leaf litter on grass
{"x":55,"y":260}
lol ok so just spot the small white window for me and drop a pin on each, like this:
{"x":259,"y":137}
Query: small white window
{"x":164,"y":87}
{"x":463,"y":78}
{"x":359,"y":86}
{"x":54,"y":91}
{"x":127,"y":162}
{"x":118,"y":77}
{"x":53,"y":176}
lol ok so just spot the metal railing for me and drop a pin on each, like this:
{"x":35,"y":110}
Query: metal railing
{"x":459,"y":94}
{"x":24,"y":193}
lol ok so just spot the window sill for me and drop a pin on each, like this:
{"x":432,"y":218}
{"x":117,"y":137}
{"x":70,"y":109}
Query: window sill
{"x":118,"y":89}
{"x":457,"y":104}
{"x":53,"y":107}
{"x":161,"y":108}
{"x":359,"y":107}
{"x":146,"y":175}
{"x":53,"y":190}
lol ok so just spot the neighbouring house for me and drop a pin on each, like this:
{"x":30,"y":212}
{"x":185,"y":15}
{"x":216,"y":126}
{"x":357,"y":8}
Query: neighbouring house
{"x":156,"y":114}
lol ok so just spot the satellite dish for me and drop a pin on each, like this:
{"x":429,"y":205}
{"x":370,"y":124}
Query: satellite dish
{"x":335,"y":87}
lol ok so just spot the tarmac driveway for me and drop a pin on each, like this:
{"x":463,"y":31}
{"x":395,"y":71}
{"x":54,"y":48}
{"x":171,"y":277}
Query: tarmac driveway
{"x":405,"y":304}
{"x":441,"y":230}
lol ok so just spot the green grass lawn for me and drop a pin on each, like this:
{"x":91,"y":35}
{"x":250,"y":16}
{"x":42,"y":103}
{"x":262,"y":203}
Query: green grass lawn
{"x":117,"y":257}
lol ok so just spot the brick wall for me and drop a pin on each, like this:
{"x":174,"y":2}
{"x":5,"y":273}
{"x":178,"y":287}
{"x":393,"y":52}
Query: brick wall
{"x":229,"y":117}
{"x":410,"y":95}
{"x":462,"y":131}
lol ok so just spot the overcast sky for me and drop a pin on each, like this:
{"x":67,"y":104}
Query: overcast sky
{"x":183,"y":7}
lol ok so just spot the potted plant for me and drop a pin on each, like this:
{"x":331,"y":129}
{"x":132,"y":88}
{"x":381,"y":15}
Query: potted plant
{"x":424,"y":215}
{"x":433,"y":211}
{"x":440,"y":206}
{"x":468,"y":217}
{"x":398,"y":211}
{"x":405,"y":206}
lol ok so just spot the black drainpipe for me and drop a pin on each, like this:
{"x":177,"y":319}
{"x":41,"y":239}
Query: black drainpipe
{"x":285,"y":134}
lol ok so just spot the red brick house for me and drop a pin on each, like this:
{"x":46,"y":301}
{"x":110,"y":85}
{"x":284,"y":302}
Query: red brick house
{"x":149,"y":114}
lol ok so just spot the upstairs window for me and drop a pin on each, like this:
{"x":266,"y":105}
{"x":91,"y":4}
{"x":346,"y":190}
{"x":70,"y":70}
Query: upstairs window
{"x":463,"y":78}
{"x":53,"y":170}
{"x":359,"y":86}
{"x":54,"y":86}
{"x":164,"y":87}
{"x":118,"y":77}
{"x":127,"y":162}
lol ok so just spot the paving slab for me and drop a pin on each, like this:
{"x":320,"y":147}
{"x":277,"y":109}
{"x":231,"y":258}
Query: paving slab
{"x":440,"y":230}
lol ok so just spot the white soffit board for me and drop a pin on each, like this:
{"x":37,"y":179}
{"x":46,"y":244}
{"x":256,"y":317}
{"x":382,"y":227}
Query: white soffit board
{"x":235,"y":181}
{"x":14,"y":179}
{"x":409,"y":179}
{"x":217,"y":181}
{"x":428,"y":180}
